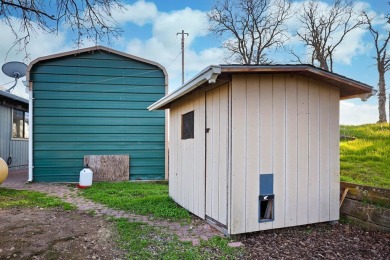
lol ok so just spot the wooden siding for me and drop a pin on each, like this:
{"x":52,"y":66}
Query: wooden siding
{"x":217,"y":151}
{"x":96,"y":104}
{"x":287,"y":126}
{"x":17,"y":149}
{"x":187,"y":157}
{"x":187,"y":164}
{"x":281,"y":125}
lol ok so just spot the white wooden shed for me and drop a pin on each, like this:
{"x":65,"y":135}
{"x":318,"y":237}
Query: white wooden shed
{"x":257,"y":147}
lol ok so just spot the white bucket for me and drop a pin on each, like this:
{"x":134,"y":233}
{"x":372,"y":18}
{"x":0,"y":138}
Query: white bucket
{"x":86,"y":176}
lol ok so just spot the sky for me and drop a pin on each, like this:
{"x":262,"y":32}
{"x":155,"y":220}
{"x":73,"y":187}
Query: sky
{"x":150,"y":31}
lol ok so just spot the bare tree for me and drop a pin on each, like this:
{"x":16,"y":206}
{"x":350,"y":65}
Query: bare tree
{"x":87,"y":19}
{"x":250,"y":28}
{"x":324,"y":30}
{"x":382,"y":61}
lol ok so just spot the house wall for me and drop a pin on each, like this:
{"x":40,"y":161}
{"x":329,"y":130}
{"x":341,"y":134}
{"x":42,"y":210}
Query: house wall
{"x":288,"y":126}
{"x":96,"y":104}
{"x":16,"y":148}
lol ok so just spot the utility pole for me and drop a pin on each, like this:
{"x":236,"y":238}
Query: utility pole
{"x":182,"y":54}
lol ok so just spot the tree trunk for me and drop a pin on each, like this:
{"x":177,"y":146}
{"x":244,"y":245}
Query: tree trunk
{"x":382,"y":96}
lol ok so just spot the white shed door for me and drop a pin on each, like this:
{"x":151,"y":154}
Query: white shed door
{"x":217,"y":129}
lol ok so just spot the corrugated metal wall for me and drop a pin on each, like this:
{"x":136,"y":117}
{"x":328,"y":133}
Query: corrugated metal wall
{"x":17,"y":149}
{"x":96,"y":103}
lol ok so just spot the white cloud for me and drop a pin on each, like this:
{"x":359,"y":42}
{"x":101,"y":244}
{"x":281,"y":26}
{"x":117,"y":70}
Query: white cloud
{"x":140,"y":13}
{"x":357,"y":114}
{"x":352,"y":46}
{"x":164,"y":46}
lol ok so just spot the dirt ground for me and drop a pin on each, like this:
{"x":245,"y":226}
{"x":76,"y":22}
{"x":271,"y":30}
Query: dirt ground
{"x":320,"y":241}
{"x":56,"y":234}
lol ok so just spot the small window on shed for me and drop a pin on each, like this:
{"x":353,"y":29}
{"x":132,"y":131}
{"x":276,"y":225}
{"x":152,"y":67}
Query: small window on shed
{"x":187,"y":125}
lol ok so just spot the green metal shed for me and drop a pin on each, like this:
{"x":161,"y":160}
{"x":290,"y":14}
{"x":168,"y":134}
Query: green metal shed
{"x":94,"y":101}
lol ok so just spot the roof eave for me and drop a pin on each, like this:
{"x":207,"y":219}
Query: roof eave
{"x":94,"y":48}
{"x":209,"y":75}
{"x":13,"y":97}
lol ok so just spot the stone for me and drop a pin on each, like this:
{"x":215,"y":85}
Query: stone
{"x":235,"y":244}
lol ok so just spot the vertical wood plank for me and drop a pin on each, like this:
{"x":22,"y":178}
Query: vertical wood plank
{"x":279,"y":141}
{"x":190,"y":160}
{"x":314,"y":158}
{"x":324,"y":153}
{"x":266,"y":131}
{"x":230,"y":156}
{"x":303,"y":154}
{"x":209,"y":154}
{"x":196,"y":159}
{"x":215,"y":132}
{"x":334,"y":153}
{"x":172,"y":151}
{"x":180,"y":176}
{"x":291,"y":184}
{"x":223,"y":154}
{"x":201,"y":152}
{"x":252,"y":160}
{"x":238,"y":154}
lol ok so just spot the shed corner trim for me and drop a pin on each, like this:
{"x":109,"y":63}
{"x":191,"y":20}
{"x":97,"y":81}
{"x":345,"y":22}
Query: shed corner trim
{"x":209,"y":74}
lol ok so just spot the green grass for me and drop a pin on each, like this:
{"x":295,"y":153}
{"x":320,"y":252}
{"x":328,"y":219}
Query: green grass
{"x":145,"y":242}
{"x":27,"y":199}
{"x":366,"y":160}
{"x":143,"y":198}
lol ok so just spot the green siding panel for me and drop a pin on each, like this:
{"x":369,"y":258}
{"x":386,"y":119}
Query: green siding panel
{"x":103,"y":71}
{"x":96,"y":104}
{"x":102,"y":87}
{"x":91,"y":121}
{"x":105,"y":129}
{"x":102,"y":137}
{"x":97,"y":112}
{"x":100,"y":96}
{"x":99,"y":62}
{"x":77,"y":80}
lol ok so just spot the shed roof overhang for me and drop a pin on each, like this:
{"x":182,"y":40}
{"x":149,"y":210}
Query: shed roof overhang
{"x":92,"y":49}
{"x":9,"y":96}
{"x":349,"y":88}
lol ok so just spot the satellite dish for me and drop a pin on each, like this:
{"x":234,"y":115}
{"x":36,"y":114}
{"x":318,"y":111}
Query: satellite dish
{"x":14,"y":69}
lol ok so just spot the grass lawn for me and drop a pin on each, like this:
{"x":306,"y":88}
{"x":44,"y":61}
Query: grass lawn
{"x":26,"y":199}
{"x":145,"y":242}
{"x":366,"y":160}
{"x":142,"y":241}
{"x":143,"y":198}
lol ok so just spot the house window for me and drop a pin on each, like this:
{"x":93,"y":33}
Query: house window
{"x":187,"y":125}
{"x":19,"y":124}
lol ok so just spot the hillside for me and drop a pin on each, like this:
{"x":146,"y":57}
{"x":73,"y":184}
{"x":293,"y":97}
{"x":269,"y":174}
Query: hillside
{"x":366,"y":160}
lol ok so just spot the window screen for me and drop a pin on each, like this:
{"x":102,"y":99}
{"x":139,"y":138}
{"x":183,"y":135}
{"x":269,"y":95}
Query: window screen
{"x":187,"y":125}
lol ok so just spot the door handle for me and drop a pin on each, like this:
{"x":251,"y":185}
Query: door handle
{"x":207,"y":130}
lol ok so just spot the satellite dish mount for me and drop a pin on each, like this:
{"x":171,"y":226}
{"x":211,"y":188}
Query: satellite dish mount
{"x":14,"y":69}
